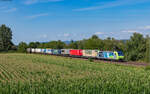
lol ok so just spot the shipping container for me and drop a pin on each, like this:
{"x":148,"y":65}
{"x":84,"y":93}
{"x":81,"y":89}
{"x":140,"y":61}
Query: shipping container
{"x":65,"y":51}
{"x":76,"y":52}
{"x":32,"y":50}
{"x":43,"y":51}
{"x":37,"y":50}
{"x":105,"y":54}
{"x":100,"y":54}
{"x":56,"y":51}
{"x":90,"y":53}
{"x":48,"y":51}
{"x":29,"y":50}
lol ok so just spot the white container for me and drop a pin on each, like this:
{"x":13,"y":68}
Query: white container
{"x":37,"y":50}
{"x":32,"y":50}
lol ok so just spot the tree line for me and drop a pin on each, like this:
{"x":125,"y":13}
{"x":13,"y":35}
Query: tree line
{"x":137,"y":48}
{"x":134,"y":49}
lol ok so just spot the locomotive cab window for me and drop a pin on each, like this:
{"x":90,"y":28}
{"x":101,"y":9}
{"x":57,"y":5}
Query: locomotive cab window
{"x":120,"y":53}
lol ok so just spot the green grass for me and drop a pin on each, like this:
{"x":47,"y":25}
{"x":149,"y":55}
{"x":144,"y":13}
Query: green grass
{"x":43,"y":74}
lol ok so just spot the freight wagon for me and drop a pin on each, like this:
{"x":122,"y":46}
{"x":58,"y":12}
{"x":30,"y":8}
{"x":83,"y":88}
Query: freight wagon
{"x":56,"y":51}
{"x":43,"y":51}
{"x":38,"y":50}
{"x":32,"y":50}
{"x":90,"y":53}
{"x":65,"y":52}
{"x":76,"y":52}
{"x":108,"y":55}
{"x":48,"y":51}
{"x":29,"y":50}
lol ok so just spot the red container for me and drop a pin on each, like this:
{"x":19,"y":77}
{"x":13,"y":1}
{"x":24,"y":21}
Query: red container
{"x":76,"y":52}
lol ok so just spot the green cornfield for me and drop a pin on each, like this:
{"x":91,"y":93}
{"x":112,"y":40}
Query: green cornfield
{"x":44,"y":74}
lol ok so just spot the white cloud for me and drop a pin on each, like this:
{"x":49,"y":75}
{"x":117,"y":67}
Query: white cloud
{"x":66,"y":35}
{"x":144,"y":30}
{"x":112,"y":4}
{"x":44,"y":36}
{"x":10,"y":10}
{"x":129,"y":31}
{"x":145,"y":27}
{"x":29,"y":2}
{"x":98,"y":33}
{"x":125,"y":33}
{"x":37,"y":15}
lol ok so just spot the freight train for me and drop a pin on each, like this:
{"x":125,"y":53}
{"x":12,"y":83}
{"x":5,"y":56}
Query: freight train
{"x":97,"y":54}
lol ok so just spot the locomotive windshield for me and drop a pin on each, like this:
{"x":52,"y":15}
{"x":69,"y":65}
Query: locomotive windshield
{"x":120,"y":53}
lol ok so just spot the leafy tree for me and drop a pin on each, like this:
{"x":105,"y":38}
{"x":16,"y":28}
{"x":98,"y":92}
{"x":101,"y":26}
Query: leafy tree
{"x":60,"y":44}
{"x":147,"y":57}
{"x":73,"y":45}
{"x":81,"y":44}
{"x":22,"y":47}
{"x":37,"y":44}
{"x":34,"y":44}
{"x":55,"y":45}
{"x":5,"y":38}
{"x":94,"y":37}
{"x":42,"y":45}
{"x":93,"y":43}
{"x":108,"y":44}
{"x":136,"y":47}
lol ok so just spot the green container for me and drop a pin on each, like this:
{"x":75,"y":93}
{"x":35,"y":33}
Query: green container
{"x":56,"y":51}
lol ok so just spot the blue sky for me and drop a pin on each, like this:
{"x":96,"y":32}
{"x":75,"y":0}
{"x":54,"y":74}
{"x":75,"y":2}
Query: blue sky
{"x":46,"y":20}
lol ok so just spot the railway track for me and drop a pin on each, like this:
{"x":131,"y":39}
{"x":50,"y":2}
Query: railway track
{"x":128,"y":63}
